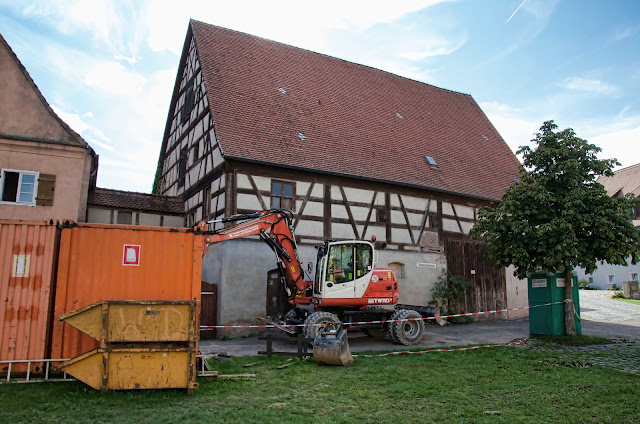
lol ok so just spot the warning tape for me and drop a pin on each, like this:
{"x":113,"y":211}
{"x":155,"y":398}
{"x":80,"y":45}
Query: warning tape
{"x":413,"y":352}
{"x":470,"y":314}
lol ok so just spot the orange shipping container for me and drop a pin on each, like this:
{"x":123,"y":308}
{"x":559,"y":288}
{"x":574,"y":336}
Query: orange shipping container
{"x":28,"y":253}
{"x":121,"y":262}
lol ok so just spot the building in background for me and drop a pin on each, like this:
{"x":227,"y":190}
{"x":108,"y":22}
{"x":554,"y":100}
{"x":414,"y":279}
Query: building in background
{"x":353,"y":151}
{"x":625,"y":181}
{"x":108,"y":206}
{"x":46,"y":168}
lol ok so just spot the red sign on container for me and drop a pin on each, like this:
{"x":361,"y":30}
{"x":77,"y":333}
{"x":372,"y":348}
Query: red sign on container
{"x":131,"y":255}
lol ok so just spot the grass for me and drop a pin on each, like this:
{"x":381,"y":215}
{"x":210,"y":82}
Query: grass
{"x":582,"y":340}
{"x":506,"y":384}
{"x":636,"y":302}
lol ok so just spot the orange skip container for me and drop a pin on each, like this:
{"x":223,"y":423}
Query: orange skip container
{"x":120,"y":262}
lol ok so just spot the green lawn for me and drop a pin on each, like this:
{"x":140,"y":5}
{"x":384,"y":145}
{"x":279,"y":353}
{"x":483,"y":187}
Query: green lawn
{"x":505,"y":384}
{"x":637,"y":302}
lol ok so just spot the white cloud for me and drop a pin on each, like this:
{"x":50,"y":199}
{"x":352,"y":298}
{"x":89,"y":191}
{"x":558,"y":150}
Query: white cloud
{"x":91,"y":134}
{"x":621,"y":33}
{"x":113,"y":24}
{"x":619,"y":137}
{"x":623,"y":145}
{"x":515,"y":127}
{"x":291,"y":21}
{"x":591,"y":86}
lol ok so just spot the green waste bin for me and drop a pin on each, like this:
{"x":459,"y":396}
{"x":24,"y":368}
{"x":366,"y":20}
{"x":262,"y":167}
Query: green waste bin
{"x":548,"y":287}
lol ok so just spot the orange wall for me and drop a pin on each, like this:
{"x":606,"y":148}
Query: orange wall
{"x":70,"y":165}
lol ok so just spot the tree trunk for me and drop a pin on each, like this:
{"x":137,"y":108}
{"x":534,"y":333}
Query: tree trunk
{"x":569,"y":323}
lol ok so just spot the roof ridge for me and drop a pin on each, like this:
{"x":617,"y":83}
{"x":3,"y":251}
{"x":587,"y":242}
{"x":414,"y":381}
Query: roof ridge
{"x":23,"y":69}
{"x":135,"y":192}
{"x":327,"y":56}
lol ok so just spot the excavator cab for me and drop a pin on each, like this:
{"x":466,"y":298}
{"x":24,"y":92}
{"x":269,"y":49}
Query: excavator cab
{"x":343,"y":269}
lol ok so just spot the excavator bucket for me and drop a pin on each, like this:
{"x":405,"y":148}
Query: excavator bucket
{"x":331,"y":346}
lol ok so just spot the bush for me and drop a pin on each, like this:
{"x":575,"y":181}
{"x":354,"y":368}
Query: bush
{"x":448,"y":293}
{"x":584,"y":285}
{"x":618,"y":295}
{"x":614,"y":287}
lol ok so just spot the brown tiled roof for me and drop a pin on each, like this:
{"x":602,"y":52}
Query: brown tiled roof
{"x":138,"y":201}
{"x":281,"y":105}
{"x":626,"y":179}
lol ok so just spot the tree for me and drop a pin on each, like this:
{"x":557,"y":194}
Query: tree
{"x":558,"y":216}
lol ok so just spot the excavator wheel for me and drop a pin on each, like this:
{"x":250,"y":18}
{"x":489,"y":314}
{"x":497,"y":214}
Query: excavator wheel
{"x":317,"y":318}
{"x":406,"y":332}
{"x":376,"y":333}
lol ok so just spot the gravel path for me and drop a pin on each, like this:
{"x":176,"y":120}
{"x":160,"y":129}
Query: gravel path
{"x":597,"y":305}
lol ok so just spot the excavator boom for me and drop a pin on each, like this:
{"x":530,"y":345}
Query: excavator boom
{"x":274,"y":227}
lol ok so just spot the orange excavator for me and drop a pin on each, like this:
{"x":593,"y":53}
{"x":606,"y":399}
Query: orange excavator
{"x":347,"y":287}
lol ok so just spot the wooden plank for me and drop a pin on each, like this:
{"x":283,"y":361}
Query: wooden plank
{"x":406,"y":218}
{"x":304,"y":204}
{"x":345,"y":202}
{"x":371,"y":206}
{"x":456,"y":218}
{"x":257,"y":192}
{"x":327,"y":212}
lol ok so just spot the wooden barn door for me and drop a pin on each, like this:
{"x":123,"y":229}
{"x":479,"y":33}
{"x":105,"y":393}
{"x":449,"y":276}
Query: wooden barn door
{"x":208,"y":310}
{"x":470,"y":261}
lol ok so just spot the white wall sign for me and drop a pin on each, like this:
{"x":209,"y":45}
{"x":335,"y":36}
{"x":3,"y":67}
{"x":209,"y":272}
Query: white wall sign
{"x":21,"y":265}
{"x":426,"y":265}
{"x":560,"y":282}
{"x":131,"y":255}
{"x":539,"y":283}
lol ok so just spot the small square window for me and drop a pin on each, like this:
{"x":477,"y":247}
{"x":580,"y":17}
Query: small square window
{"x":633,"y":276}
{"x":283,"y":195}
{"x":611,"y":279}
{"x":125,"y":218}
{"x":19,"y":187}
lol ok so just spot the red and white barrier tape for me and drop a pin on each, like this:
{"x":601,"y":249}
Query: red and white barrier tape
{"x":470,"y":314}
{"x":413,"y":352}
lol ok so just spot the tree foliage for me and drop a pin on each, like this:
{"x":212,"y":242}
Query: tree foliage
{"x":558,"y":216}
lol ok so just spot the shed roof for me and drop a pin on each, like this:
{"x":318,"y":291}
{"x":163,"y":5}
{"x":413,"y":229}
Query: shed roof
{"x":280,"y":105}
{"x":138,"y":201}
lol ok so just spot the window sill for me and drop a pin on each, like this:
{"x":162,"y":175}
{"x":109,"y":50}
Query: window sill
{"x":17,"y":203}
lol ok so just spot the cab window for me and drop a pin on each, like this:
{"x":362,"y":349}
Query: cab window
{"x":364,"y":260}
{"x":340,"y":267}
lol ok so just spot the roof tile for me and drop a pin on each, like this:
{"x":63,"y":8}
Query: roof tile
{"x":348,"y":114}
{"x":139,"y":201}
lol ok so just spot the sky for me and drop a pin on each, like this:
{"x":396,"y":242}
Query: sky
{"x":108,"y":67}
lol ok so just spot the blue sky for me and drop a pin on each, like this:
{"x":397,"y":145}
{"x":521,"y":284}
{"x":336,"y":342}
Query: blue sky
{"x":108,"y":67}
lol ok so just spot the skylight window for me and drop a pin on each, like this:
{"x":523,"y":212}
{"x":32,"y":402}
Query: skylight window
{"x":485,"y":137}
{"x":431,"y":161}
{"x":398,"y":115}
{"x":302,"y":136}
{"x":282,"y":90}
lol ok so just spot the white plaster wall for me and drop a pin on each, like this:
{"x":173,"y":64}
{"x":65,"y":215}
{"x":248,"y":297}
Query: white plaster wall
{"x":621,"y":274}
{"x":415,"y":288}
{"x":148,"y":219}
{"x":240,"y":267}
{"x":517,"y":295}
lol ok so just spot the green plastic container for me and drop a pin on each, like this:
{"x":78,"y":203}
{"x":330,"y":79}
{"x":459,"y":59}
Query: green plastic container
{"x":546,"y":287}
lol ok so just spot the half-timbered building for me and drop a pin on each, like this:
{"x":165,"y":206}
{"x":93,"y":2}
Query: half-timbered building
{"x":352,"y":150}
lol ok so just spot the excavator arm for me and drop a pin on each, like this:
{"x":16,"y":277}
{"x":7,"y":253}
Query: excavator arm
{"x":275,"y":228}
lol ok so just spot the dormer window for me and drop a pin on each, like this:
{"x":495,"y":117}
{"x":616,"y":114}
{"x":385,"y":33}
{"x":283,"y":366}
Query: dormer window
{"x":431,"y":161}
